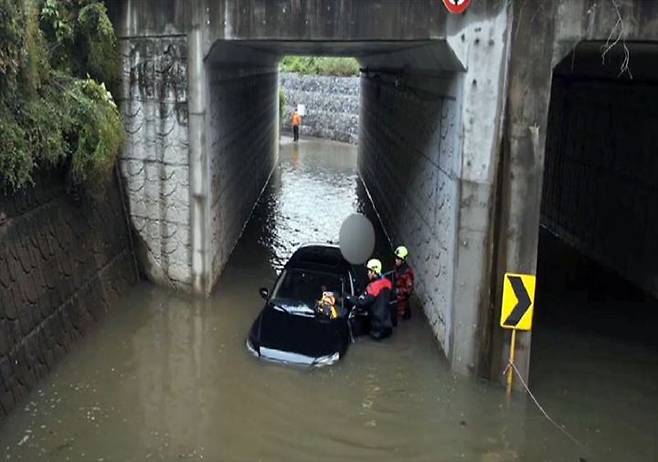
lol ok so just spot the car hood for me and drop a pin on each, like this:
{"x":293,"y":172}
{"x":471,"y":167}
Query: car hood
{"x":290,"y":338}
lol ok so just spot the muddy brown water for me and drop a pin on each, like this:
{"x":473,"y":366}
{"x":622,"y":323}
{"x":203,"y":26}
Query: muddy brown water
{"x":168,"y":377}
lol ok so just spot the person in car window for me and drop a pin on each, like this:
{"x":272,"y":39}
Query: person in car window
{"x":375,"y":300}
{"x":327,"y":305}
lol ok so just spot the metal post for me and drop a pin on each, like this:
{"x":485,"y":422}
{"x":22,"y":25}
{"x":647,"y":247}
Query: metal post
{"x":510,"y":368}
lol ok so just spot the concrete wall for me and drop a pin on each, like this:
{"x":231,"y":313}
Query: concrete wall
{"x":332,"y":105}
{"x":202,"y":140}
{"x":599,"y":184}
{"x":432,"y":62}
{"x":520,"y":171}
{"x":600,"y":173}
{"x":439,"y":116}
{"x":187,"y":205}
{"x":243,"y":146}
{"x":322,"y":19}
{"x":497,"y":59}
{"x":409,"y":161}
{"x":62,"y":266}
{"x":280,"y":18}
{"x":543,"y":33}
{"x":593,"y":20}
{"x":155,"y":161}
{"x":371,"y":21}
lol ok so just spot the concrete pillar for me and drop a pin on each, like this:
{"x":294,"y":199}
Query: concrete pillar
{"x":481,"y":41}
{"x":447,"y":158}
{"x":199,"y":166}
{"x":522,"y":165}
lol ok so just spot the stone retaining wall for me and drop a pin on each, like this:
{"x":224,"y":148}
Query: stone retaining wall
{"x":332,"y":105}
{"x":63,"y":264}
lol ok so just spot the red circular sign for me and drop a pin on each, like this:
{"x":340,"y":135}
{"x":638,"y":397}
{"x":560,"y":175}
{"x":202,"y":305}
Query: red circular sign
{"x":457,"y":6}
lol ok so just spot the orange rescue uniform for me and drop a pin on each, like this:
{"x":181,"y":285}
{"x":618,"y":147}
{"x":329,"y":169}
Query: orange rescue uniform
{"x":296,"y":120}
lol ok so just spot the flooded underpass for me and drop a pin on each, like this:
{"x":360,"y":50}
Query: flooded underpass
{"x":595,"y":351}
{"x":168,"y":377}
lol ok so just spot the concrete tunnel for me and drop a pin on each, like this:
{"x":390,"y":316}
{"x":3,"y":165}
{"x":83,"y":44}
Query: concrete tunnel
{"x":453,"y":107}
{"x":597,"y":247}
{"x":201,"y":109}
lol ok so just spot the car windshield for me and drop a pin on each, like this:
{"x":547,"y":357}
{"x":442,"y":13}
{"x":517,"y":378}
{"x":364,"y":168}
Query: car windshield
{"x":298,"y":290}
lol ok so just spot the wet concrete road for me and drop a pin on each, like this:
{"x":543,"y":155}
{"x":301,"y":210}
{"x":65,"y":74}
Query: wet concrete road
{"x":168,"y":377}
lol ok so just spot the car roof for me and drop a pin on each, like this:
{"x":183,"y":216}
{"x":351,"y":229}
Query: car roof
{"x":321,"y":257}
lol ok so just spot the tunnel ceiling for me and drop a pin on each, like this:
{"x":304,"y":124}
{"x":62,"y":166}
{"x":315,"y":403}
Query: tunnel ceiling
{"x":420,"y":55}
{"x":586,"y":60}
{"x":332,"y":48}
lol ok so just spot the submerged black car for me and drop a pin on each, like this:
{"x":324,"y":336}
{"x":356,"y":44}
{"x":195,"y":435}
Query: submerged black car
{"x":290,"y":329}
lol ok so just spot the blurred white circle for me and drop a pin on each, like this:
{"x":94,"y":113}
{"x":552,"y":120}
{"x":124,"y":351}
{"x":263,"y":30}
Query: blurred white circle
{"x":357,"y":239}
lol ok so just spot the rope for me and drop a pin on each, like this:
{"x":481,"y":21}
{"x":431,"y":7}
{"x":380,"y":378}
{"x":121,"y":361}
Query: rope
{"x":541,"y":409}
{"x":126,"y":216}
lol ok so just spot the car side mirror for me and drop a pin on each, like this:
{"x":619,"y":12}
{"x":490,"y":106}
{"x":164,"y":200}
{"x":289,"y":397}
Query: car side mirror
{"x":265,"y":293}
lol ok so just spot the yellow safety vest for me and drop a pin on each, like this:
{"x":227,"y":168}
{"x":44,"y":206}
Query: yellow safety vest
{"x":327,"y":305}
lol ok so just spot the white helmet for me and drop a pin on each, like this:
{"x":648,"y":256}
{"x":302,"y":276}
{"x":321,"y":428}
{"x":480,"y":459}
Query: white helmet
{"x":401,"y":252}
{"x":375,"y":266}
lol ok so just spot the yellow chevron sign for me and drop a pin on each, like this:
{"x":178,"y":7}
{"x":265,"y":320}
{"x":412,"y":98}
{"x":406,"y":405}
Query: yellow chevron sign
{"x":518,"y":301}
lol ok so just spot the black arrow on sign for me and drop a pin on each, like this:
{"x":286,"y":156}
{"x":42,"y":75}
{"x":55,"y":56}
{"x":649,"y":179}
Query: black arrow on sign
{"x":523,"y":303}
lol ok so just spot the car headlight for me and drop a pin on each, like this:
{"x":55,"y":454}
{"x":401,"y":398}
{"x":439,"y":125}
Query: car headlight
{"x":326,"y":360}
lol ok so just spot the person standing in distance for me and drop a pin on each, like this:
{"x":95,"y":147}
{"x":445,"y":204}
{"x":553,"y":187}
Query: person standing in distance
{"x":404,"y":282}
{"x":296,"y":122}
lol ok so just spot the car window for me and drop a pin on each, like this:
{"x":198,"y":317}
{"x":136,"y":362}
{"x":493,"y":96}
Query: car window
{"x":306,"y":287}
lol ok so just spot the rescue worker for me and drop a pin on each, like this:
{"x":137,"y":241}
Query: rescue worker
{"x":375,"y":301}
{"x":404,"y":282}
{"x":296,"y":122}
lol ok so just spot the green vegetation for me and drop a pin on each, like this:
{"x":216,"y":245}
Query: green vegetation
{"x":282,"y":104}
{"x":309,"y":65}
{"x":56,"y":59}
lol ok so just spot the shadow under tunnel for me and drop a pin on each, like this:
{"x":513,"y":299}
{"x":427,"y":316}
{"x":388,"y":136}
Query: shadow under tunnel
{"x":594,"y":339}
